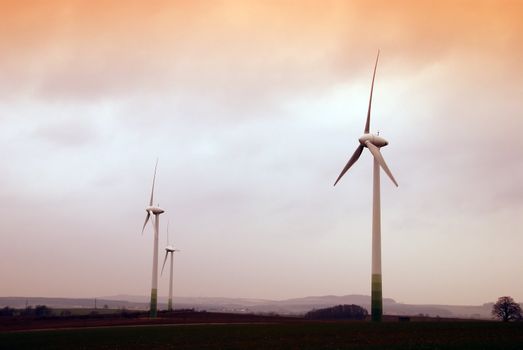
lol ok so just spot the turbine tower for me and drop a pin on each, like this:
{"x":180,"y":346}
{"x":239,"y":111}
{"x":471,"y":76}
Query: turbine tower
{"x":373,"y":143}
{"x":156,"y":211}
{"x":169,"y":249}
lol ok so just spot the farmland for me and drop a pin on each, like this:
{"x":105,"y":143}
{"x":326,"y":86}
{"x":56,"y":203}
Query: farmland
{"x":288,"y":334}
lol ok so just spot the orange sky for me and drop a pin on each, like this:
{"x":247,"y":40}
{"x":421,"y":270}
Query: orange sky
{"x":223,"y":40}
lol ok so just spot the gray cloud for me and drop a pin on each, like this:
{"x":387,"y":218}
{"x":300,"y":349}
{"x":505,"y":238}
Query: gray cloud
{"x":69,"y":133}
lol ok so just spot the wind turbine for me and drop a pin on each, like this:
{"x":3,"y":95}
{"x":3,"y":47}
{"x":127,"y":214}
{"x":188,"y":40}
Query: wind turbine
{"x":169,"y":249}
{"x":156,"y":211}
{"x":373,"y":143}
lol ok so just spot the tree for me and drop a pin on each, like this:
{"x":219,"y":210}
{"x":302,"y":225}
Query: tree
{"x":28,"y":311}
{"x":506,"y":309}
{"x":7,"y":311}
{"x":42,"y":311}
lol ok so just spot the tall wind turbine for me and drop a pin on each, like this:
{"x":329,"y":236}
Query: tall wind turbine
{"x":169,"y":249}
{"x":373,"y":143}
{"x":156,"y":211}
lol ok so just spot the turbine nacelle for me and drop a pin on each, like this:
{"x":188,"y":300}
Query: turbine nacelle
{"x":168,"y":249}
{"x":155,"y":210}
{"x":376,"y":140}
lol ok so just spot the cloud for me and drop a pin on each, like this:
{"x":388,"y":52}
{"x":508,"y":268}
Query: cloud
{"x":238,"y":53}
{"x":69,"y":133}
{"x":235,"y":61}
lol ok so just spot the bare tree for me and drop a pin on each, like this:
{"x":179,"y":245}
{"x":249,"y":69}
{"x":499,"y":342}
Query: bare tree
{"x":506,"y":309}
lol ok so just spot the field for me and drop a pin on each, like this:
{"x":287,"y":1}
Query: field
{"x":285,"y":335}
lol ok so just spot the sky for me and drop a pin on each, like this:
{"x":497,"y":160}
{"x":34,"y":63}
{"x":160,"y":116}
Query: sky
{"x":253,"y":108}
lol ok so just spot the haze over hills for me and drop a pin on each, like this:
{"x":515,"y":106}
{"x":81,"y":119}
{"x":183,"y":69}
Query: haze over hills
{"x":295,"y":306}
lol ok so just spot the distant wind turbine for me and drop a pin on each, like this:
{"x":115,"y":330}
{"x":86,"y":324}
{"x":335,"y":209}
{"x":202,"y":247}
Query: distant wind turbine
{"x":156,"y":211}
{"x":169,"y":249}
{"x":373,"y":143}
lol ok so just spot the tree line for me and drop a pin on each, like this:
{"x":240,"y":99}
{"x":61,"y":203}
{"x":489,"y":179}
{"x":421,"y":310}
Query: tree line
{"x":339,"y":312}
{"x":37,"y":311}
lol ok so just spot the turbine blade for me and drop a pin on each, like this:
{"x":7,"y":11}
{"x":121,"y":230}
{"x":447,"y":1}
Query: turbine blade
{"x":377,"y":154}
{"x":367,"y":124}
{"x":146,"y":220}
{"x":152,"y":189}
{"x":164,"y":260}
{"x":351,"y":161}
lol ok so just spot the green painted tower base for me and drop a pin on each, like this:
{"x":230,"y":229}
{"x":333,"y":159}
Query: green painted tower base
{"x":376,"y":299}
{"x":154,"y":296}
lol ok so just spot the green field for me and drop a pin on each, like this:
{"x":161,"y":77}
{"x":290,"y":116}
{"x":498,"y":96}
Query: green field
{"x":307,"y":335}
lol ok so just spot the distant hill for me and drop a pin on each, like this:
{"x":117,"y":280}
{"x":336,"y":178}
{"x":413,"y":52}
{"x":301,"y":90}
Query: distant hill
{"x":59,"y":303}
{"x":296,"y":306}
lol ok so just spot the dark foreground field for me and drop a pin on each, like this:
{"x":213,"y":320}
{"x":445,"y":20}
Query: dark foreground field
{"x":287,"y":335}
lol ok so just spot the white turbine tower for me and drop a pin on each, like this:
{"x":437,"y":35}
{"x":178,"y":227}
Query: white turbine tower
{"x":373,"y":143}
{"x":169,"y":249}
{"x":156,"y":211}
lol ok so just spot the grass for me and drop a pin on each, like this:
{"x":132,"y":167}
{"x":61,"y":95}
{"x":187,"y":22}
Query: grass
{"x":306,"y":335}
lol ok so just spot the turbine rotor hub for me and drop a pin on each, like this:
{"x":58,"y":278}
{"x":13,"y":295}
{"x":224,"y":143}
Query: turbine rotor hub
{"x":376,"y":140}
{"x":154,"y":210}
